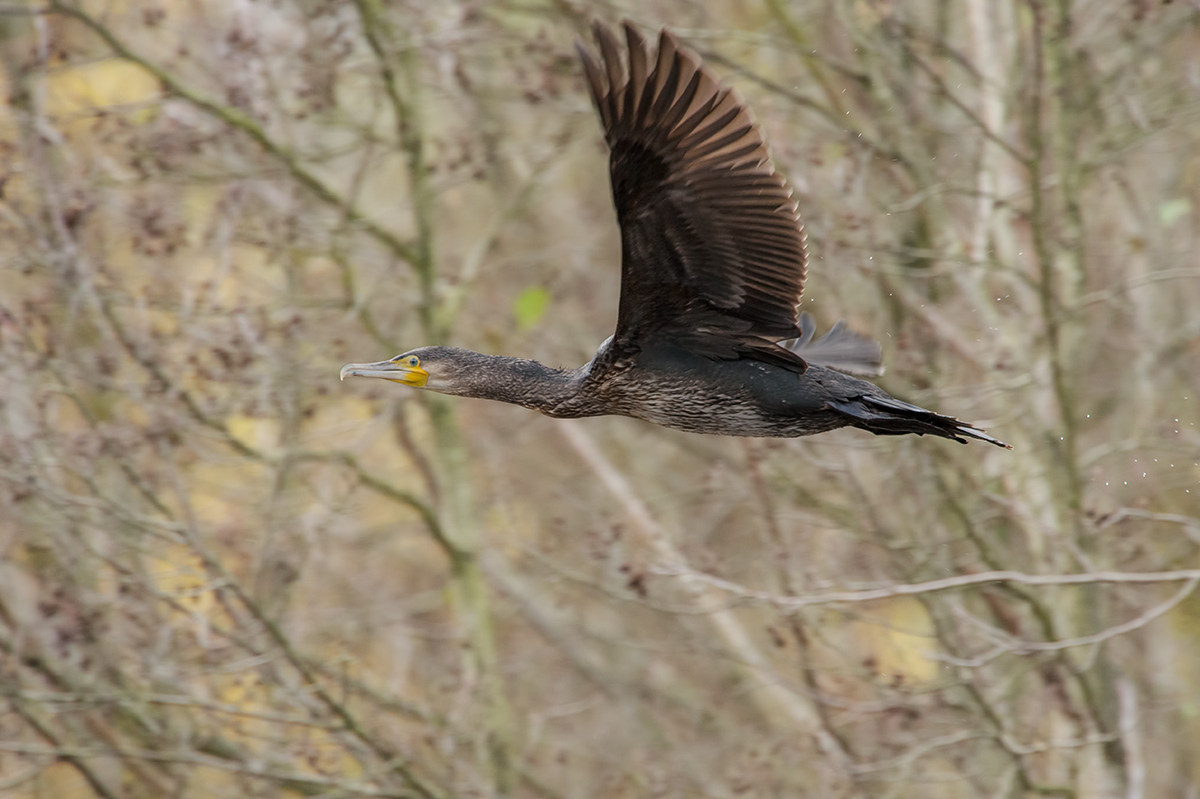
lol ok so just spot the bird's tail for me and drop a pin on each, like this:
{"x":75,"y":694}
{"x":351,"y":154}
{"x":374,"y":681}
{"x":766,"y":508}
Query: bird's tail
{"x":888,"y":416}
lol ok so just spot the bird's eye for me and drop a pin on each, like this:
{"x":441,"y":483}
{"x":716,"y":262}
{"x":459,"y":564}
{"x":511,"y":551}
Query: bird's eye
{"x":414,"y":360}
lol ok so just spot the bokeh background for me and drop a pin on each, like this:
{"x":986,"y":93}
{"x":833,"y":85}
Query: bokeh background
{"x":224,"y":573}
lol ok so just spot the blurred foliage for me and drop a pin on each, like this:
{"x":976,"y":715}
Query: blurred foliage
{"x":530,"y":306}
{"x":222,"y":572}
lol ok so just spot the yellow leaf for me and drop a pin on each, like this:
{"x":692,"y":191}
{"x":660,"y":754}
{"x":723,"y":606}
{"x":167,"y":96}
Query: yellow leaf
{"x":100,"y":86}
{"x":898,"y":641}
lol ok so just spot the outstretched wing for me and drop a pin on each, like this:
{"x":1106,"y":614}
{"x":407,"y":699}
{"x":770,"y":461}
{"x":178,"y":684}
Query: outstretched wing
{"x":712,"y":249}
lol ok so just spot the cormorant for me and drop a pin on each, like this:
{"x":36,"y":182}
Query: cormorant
{"x":712,"y":269}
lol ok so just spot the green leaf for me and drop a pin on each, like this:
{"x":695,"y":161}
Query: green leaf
{"x":530,"y":306}
{"x":1170,"y":211}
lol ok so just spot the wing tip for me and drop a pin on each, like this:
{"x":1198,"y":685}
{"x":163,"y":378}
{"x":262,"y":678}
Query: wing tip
{"x":841,"y":348}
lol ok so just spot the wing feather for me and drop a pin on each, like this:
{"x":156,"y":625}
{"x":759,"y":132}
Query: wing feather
{"x":712,"y":247}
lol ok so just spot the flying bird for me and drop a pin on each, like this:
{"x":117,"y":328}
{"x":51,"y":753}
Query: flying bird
{"x":708,"y":339}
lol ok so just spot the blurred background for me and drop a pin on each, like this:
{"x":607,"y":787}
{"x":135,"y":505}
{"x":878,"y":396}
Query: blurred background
{"x":223,"y":572}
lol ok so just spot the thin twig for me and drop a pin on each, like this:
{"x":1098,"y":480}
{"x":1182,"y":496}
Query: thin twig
{"x":911,"y":589}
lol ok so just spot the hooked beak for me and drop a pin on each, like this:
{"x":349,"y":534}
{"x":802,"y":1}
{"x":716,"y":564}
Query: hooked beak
{"x":388,"y":370}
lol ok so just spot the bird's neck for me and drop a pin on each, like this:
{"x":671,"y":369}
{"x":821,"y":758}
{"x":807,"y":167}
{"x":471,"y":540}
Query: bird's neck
{"x":527,"y":383}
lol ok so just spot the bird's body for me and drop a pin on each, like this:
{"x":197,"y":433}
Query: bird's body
{"x":712,"y":268}
{"x":674,"y":387}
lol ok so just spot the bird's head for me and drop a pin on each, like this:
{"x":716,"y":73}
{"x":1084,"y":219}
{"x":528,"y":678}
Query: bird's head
{"x":452,"y":370}
{"x":443,"y":369}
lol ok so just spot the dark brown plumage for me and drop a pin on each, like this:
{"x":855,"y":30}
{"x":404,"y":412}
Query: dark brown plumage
{"x":712,"y":250}
{"x":712,"y":269}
